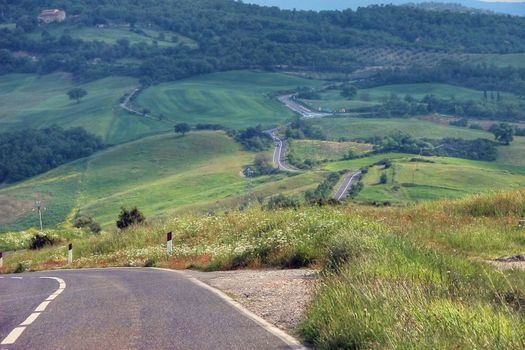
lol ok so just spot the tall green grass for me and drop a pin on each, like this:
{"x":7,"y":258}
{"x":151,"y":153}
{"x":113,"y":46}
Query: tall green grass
{"x":401,"y":278}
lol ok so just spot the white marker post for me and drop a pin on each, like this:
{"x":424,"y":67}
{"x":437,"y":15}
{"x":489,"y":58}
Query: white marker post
{"x":1,"y":259}
{"x":70,"y":254}
{"x":169,"y":239}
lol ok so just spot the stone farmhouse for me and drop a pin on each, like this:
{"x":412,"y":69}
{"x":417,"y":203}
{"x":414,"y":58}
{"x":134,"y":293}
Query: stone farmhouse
{"x":53,"y":15}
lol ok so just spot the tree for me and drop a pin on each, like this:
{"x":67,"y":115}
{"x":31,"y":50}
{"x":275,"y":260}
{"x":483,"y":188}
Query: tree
{"x":127,"y":218}
{"x":383,"y":179}
{"x":182,"y":128}
{"x":349,"y":91}
{"x":503,"y":132}
{"x":76,"y":94}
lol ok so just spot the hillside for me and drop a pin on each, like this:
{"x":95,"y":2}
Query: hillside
{"x":160,"y":174}
{"x":507,"y":7}
{"x":163,"y":40}
{"x":431,"y":265}
{"x":30,"y":100}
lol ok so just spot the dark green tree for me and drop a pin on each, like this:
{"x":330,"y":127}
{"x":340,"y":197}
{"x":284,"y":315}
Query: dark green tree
{"x":182,"y":128}
{"x":349,"y":91}
{"x":503,"y":132}
{"x":76,"y":94}
{"x":127,"y":218}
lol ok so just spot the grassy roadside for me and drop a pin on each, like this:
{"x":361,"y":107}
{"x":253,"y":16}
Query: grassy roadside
{"x":392,"y":277}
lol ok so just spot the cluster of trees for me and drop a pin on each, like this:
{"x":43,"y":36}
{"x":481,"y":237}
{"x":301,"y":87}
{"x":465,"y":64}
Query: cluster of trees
{"x":231,"y":35}
{"x":502,"y":109}
{"x":323,"y":193}
{"x":262,"y":165}
{"x":300,"y":129}
{"x":479,"y":76}
{"x":252,"y":139}
{"x":478,"y":149}
{"x":29,"y":152}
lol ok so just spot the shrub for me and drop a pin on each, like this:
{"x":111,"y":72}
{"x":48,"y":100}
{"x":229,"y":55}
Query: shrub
{"x":19,"y":268}
{"x":40,"y":240}
{"x":127,"y":218}
{"x":87,"y":222}
{"x":383,"y":179}
{"x":282,"y":201}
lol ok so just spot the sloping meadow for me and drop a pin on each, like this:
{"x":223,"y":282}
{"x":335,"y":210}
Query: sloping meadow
{"x":389,"y":278}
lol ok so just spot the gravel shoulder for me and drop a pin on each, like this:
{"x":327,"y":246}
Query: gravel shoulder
{"x":278,"y":296}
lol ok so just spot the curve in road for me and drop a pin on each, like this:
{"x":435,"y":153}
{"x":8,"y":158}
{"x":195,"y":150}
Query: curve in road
{"x":349,"y":180}
{"x":128,"y":309}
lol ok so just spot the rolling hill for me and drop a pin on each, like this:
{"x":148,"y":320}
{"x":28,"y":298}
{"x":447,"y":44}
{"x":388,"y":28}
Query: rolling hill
{"x":507,"y":7}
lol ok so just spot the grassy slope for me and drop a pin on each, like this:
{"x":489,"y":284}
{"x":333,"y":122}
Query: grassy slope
{"x":40,"y":101}
{"x":111,"y":35}
{"x":396,"y":278}
{"x":352,"y":128}
{"x":445,"y":178}
{"x":235,"y":99}
{"x":332,"y":99}
{"x":329,"y":150}
{"x":516,"y":60}
{"x":160,"y":174}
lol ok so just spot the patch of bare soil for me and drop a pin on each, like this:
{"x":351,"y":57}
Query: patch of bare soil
{"x":278,"y":296}
{"x":11,"y":208}
{"x":509,"y":263}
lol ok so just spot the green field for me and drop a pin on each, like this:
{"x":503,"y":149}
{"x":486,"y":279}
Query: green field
{"x":160,"y":174}
{"x":331,"y":100}
{"x":325,"y":150}
{"x":356,"y":128}
{"x":444,"y":178}
{"x":38,"y":101}
{"x":234,"y":99}
{"x":513,"y":59}
{"x":513,"y":155}
{"x":111,"y":35}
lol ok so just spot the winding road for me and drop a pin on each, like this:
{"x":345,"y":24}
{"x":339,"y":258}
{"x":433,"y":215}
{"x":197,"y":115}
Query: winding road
{"x":127,"y":308}
{"x":347,"y":183}
{"x":279,"y":154}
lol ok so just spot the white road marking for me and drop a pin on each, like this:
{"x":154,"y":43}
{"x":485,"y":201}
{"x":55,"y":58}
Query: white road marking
{"x":348,"y":185}
{"x":13,"y":336}
{"x":30,"y":319}
{"x":17,"y":278}
{"x":17,"y":332}
{"x":286,"y":338}
{"x":42,"y":306}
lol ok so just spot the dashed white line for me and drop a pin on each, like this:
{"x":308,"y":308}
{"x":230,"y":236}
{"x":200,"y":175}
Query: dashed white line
{"x":16,"y":278}
{"x":17,"y":332}
{"x":30,"y":319}
{"x":348,"y":185}
{"x":42,"y":306}
{"x":13,"y":336}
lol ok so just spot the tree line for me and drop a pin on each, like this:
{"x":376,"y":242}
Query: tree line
{"x":30,"y":152}
{"x":233,"y":35}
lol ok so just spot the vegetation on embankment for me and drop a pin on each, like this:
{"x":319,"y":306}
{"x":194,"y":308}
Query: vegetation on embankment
{"x":391,"y":277}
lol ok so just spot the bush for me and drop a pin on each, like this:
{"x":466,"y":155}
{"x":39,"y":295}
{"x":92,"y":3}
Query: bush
{"x":40,"y":240}
{"x":19,"y":268}
{"x":282,"y":201}
{"x":383,"y":179}
{"x":127,"y":218}
{"x":87,"y":222}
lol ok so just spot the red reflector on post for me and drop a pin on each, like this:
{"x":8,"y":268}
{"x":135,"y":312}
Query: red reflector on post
{"x":70,"y":246}
{"x":169,"y":236}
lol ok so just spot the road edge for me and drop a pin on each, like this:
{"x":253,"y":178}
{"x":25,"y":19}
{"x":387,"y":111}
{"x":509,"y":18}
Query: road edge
{"x":291,"y":341}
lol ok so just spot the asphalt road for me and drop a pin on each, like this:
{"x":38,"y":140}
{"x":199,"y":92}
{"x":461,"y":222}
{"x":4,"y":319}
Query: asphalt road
{"x":350,"y":179}
{"x":123,"y":309}
{"x":306,"y":113}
